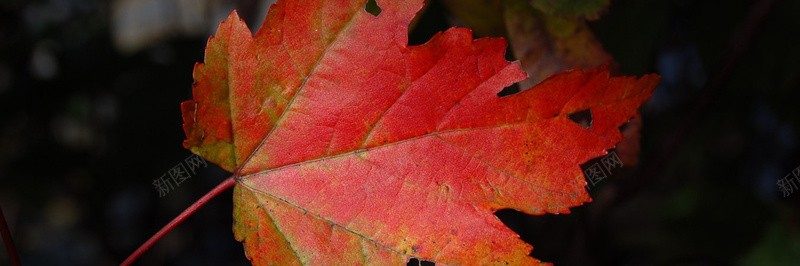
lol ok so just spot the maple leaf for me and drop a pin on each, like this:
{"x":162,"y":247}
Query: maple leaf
{"x":351,"y":147}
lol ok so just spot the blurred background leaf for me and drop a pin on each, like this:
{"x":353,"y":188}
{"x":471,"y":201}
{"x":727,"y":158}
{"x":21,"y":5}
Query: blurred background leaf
{"x":572,"y":9}
{"x":545,"y":44}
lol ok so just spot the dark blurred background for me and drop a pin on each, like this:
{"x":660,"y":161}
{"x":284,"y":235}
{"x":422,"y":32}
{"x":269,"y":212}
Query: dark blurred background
{"x":89,"y":108}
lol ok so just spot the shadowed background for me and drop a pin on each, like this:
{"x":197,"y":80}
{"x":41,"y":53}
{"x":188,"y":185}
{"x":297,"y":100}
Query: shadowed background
{"x":90,"y":95}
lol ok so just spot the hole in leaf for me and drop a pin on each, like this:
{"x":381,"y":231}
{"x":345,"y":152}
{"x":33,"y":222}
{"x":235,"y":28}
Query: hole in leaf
{"x":373,"y":8}
{"x":417,"y":262}
{"x":513,"y":89}
{"x":582,"y":118}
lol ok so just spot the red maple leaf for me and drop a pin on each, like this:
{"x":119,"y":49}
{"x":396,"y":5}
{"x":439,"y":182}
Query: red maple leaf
{"x":351,"y":147}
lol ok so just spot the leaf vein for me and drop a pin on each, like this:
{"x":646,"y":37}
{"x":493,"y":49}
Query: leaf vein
{"x":300,"y":89}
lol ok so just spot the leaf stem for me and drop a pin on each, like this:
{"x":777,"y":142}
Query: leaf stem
{"x":228,"y":183}
{"x":12,"y":251}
